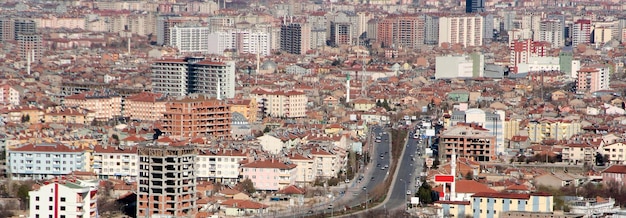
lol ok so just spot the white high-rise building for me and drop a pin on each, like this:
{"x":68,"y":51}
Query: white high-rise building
{"x":465,"y":30}
{"x":242,"y":41}
{"x":551,"y":31}
{"x":190,"y":39}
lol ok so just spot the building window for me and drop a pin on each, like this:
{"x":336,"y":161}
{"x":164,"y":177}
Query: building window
{"x":62,"y":208}
{"x":62,"y":216}
{"x":62,"y":199}
{"x":50,"y":198}
{"x":49,"y":207}
{"x":36,"y":207}
{"x":37,"y":198}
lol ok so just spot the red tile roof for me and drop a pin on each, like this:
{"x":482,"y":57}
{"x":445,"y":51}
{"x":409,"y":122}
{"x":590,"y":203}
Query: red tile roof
{"x":243,"y":204}
{"x":619,"y":169}
{"x":269,"y":164}
{"x":291,"y":190}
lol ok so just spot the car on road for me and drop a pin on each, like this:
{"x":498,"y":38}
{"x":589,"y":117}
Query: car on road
{"x":408,"y":192}
{"x":372,"y":179}
{"x":382,"y":168}
{"x":330,"y":206}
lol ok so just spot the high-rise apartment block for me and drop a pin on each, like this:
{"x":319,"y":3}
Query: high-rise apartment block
{"x":340,"y":33}
{"x":242,"y":41}
{"x":179,"y":77}
{"x":190,"y":39}
{"x":523,"y":50}
{"x":30,"y":46}
{"x":197,"y":115}
{"x":465,"y":30}
{"x":166,"y":184}
{"x":406,"y":31}
{"x":295,"y":38}
{"x":7,"y":30}
{"x":24,"y":27}
{"x":581,"y":32}
{"x":474,"y":6}
{"x":551,"y":31}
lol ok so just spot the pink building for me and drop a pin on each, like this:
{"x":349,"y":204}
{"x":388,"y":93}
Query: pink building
{"x":592,"y":79}
{"x":615,"y":173}
{"x":522,"y":50}
{"x":271,"y":175}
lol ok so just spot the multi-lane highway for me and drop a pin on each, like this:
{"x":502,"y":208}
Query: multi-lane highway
{"x":358,"y":189}
{"x":410,"y":166}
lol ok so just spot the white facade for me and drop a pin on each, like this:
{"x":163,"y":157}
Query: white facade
{"x":537,"y":64}
{"x":551,"y":31}
{"x":447,"y":67}
{"x":45,"y":160}
{"x":191,"y":39}
{"x":115,"y":162}
{"x":466,"y":30}
{"x":9,"y":95}
{"x":243,"y":41}
{"x":219,"y":165}
{"x":169,"y":77}
{"x":615,"y":151}
{"x":214,"y":78}
{"x":63,"y":199}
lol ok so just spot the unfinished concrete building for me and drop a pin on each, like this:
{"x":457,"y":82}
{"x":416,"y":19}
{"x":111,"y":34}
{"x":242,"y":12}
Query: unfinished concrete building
{"x":197,"y":115}
{"x":167,"y":181}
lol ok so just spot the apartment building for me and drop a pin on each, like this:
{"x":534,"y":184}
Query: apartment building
{"x":197,"y":115}
{"x":489,"y":204}
{"x":464,"y":30}
{"x":68,"y":115}
{"x":305,"y":164}
{"x":326,"y":163}
{"x":167,"y":181}
{"x":579,"y":153}
{"x":467,"y":140}
{"x":105,"y":103}
{"x":45,"y":160}
{"x":243,"y":41}
{"x":30,"y":46}
{"x":615,"y":173}
{"x":341,"y":33}
{"x":552,"y":31}
{"x":179,"y":77}
{"x":558,"y":129}
{"x":9,"y":95}
{"x":64,"y":198}
{"x":615,"y":151}
{"x":523,"y":50}
{"x":279,"y":103}
{"x":246,"y":107}
{"x":23,"y":26}
{"x":219,"y":165}
{"x":270,"y":174}
{"x":581,"y":32}
{"x":405,"y":31}
{"x":592,"y":79}
{"x":295,"y":38}
{"x":145,"y":106}
{"x":493,"y":121}
{"x":119,"y":162}
{"x":190,"y":38}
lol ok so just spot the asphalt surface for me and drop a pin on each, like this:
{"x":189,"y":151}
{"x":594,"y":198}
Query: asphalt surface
{"x":357,"y":190}
{"x":411,"y":164}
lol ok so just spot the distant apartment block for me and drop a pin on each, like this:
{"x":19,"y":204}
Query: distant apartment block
{"x":279,"y":103}
{"x":241,"y":41}
{"x":581,"y":32}
{"x":468,"y":140}
{"x":9,"y":95}
{"x":269,"y":175}
{"x":523,"y":50}
{"x":179,"y":77}
{"x":401,"y":31}
{"x":474,"y":6}
{"x":592,"y":79}
{"x":106,"y":104}
{"x":219,"y":165}
{"x":30,"y":46}
{"x":64,"y":198}
{"x":118,"y":162}
{"x":557,"y":129}
{"x":7,"y":29}
{"x":552,"y":31}
{"x":68,"y":115}
{"x":45,"y":160}
{"x":464,"y":30}
{"x":340,"y":33}
{"x":190,"y":39}
{"x":145,"y":106}
{"x":166,"y":185}
{"x":164,"y":26}
{"x":22,"y":26}
{"x":249,"y":108}
{"x":466,"y":66}
{"x":493,"y":121}
{"x":295,"y":38}
{"x":197,"y":115}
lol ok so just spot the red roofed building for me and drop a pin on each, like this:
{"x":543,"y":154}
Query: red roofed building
{"x":269,"y":174}
{"x":45,"y":160}
{"x":615,"y":173}
{"x":107,"y":105}
{"x":243,"y":207}
{"x":465,"y":189}
{"x":145,"y":106}
{"x":115,"y":161}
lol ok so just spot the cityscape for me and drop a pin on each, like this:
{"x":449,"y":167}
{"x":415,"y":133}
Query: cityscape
{"x":312,"y":108}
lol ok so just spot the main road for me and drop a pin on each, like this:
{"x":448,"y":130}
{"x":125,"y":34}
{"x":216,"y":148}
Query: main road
{"x":358,"y":189}
{"x":410,"y":165}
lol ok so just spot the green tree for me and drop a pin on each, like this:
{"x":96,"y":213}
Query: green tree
{"x":22,"y":193}
{"x":469,"y":175}
{"x":425,"y":193}
{"x":267,"y":129}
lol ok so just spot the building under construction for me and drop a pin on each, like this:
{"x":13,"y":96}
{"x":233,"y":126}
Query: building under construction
{"x":167,"y":181}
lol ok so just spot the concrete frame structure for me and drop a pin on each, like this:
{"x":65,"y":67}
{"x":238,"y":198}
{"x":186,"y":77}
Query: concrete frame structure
{"x":197,"y":115}
{"x":167,"y":181}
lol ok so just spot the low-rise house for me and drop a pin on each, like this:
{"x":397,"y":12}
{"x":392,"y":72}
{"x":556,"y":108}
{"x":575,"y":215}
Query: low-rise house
{"x":269,"y":175}
{"x":243,"y":208}
{"x":558,"y":180}
{"x":615,"y":173}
